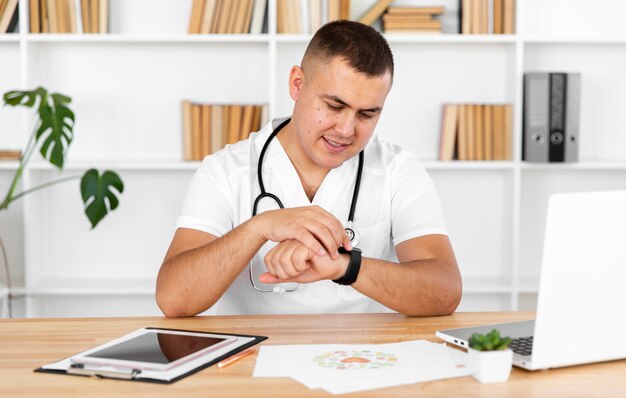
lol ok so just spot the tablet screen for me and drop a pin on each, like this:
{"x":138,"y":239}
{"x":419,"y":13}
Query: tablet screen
{"x":157,"y":347}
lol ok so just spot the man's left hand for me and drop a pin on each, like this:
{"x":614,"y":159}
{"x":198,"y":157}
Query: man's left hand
{"x":291,"y":261}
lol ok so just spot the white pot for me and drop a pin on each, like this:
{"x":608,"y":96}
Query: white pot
{"x":491,"y":366}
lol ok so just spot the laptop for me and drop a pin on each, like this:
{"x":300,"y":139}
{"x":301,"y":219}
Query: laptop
{"x":581,"y":307}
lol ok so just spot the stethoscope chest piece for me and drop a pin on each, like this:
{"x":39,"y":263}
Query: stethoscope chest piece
{"x":353,"y":235}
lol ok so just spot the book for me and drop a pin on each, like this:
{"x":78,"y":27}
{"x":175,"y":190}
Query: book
{"x":7,"y":154}
{"x":187,"y":131}
{"x":52,"y":16}
{"x":217,"y":125}
{"x":488,"y":126}
{"x":207,"y":16}
{"x":405,"y":11}
{"x":508,"y":18}
{"x":498,"y":135}
{"x":196,"y":120}
{"x":448,"y":135}
{"x":246,"y":122}
{"x":222,"y":17}
{"x":247,"y":17}
{"x":479,"y":132}
{"x":315,"y":15}
{"x":195,"y":20}
{"x":507,"y":141}
{"x":497,"y":17}
{"x":412,"y":31}
{"x":35,"y":19}
{"x":234,"y":123}
{"x":14,"y":22}
{"x":433,"y":24}
{"x":344,"y":9}
{"x":72,"y":20}
{"x":407,"y":18}
{"x":462,"y":133}
{"x":334,"y":10}
{"x":375,"y":12}
{"x":465,"y":17}
{"x":258,"y":16}
{"x":471,"y":132}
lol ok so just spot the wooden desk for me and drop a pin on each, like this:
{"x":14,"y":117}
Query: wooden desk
{"x":27,"y":344}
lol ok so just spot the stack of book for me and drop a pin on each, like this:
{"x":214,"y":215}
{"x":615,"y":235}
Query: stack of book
{"x":475,"y":17}
{"x":476,"y":132}
{"x":227,"y":16}
{"x":10,"y":155}
{"x":307,"y":16}
{"x":412,"y":20}
{"x":207,"y":128}
{"x":69,"y":16}
{"x":8,"y":16}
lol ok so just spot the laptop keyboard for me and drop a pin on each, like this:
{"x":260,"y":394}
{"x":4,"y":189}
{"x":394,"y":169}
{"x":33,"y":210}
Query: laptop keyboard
{"x":522,"y":345}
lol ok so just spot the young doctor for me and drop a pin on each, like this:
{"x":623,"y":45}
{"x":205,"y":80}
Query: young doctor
{"x":315,"y":214}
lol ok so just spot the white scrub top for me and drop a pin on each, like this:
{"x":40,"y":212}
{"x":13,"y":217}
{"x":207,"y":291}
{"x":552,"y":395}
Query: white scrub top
{"x":397,"y":201}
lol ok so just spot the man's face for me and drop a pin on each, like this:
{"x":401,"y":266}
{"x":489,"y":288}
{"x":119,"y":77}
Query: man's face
{"x":336,"y":110}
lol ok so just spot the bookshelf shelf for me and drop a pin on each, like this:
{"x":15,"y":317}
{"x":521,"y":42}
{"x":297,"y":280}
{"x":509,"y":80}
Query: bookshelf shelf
{"x":9,"y":165}
{"x":467,"y":165}
{"x":127,"y":87}
{"x":416,"y":39}
{"x":193,"y":165}
{"x":587,"y":165}
{"x":122,"y":165}
{"x":575,"y":40}
{"x":122,"y":38}
{"x":87,"y":287}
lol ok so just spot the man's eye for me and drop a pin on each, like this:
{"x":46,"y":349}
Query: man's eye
{"x":367,"y":115}
{"x":334,"y":108}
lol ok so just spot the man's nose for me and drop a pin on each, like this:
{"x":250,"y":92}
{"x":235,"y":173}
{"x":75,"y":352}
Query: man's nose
{"x":345,"y":124}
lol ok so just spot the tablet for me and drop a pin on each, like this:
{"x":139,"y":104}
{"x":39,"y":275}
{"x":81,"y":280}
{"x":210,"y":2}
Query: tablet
{"x":154,"y":349}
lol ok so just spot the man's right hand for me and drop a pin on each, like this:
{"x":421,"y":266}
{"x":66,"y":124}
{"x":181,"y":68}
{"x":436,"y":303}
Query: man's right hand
{"x":316,"y":228}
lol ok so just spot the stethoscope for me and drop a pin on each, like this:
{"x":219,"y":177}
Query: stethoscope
{"x":352,"y":233}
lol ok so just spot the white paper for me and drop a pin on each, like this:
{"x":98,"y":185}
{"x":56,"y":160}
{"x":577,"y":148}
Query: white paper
{"x":343,"y":368}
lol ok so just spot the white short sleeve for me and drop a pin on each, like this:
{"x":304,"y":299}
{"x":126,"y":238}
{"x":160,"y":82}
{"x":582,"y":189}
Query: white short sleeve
{"x":415,"y":207}
{"x":209,"y":203}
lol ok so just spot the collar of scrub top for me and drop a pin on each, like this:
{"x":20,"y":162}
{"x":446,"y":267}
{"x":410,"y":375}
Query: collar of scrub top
{"x":350,"y":231}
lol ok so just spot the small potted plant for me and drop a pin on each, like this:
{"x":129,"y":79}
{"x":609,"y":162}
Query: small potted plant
{"x":491,"y":357}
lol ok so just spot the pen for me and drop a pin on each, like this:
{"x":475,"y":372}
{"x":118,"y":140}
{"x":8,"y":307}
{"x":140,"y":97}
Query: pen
{"x":235,"y":357}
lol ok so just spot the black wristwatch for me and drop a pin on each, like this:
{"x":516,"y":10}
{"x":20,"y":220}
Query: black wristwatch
{"x":354,"y":266}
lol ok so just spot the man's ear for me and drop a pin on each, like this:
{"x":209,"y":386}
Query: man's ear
{"x":296,"y":81}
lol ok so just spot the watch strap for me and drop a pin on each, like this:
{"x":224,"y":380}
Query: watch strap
{"x":354,"y":266}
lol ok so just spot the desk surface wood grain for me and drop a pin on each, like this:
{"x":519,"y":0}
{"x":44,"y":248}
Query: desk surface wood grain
{"x":26,"y":344}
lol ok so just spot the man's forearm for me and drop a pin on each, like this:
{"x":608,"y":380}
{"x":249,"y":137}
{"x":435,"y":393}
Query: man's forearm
{"x":192,"y":281}
{"x":417,"y":288}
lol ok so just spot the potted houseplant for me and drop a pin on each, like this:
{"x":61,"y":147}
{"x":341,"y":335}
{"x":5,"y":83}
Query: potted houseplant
{"x":52,"y":135}
{"x":491,"y":357}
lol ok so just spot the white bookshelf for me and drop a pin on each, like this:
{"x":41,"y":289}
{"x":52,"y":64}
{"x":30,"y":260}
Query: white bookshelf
{"x":127,"y":87}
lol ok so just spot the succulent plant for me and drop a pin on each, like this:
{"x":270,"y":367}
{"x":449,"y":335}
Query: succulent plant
{"x":489,"y":342}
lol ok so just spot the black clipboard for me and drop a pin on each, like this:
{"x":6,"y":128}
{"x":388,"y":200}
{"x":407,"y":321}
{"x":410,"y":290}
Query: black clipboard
{"x":134,"y":376}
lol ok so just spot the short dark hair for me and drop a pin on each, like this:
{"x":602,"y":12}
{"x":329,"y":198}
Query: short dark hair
{"x":360,"y":45}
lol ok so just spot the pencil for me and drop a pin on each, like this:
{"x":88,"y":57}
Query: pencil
{"x":235,"y":358}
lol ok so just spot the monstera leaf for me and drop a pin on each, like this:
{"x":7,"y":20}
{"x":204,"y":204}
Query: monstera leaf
{"x":96,"y":191}
{"x":55,"y":127}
